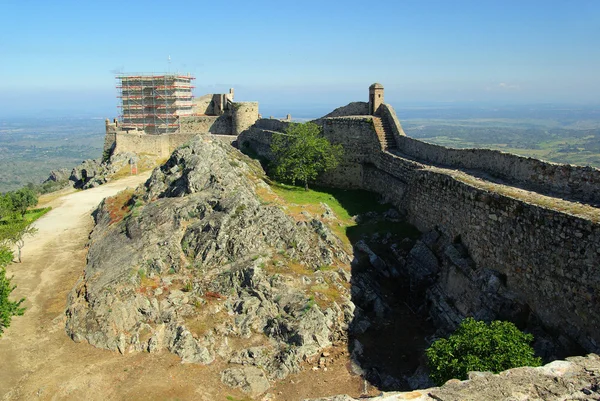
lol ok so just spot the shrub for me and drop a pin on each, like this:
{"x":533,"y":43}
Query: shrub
{"x":8,"y":308}
{"x":477,"y":346}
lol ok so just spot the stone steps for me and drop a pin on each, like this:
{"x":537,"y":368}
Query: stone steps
{"x":384,"y":133}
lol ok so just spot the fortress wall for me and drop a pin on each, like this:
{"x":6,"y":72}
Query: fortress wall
{"x":258,"y":140}
{"x":142,"y":143}
{"x":355,"y":134}
{"x":550,"y":259}
{"x":176,"y":140}
{"x":576,"y":182}
{"x":388,"y":113}
{"x":272,"y":124}
{"x":244,"y":115}
{"x":221,"y":125}
{"x":358,"y":137}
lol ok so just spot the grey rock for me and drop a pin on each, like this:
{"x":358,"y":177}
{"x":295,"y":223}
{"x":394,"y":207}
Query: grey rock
{"x":249,"y":379}
{"x":422,"y":264}
{"x":192,"y":251}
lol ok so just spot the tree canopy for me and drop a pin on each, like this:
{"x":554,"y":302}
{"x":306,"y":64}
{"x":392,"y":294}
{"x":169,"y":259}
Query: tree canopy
{"x":477,"y":346}
{"x":302,"y":153}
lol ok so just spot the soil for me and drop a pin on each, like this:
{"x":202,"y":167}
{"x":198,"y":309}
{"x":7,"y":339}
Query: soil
{"x":40,"y":361}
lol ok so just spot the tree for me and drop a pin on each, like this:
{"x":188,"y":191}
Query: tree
{"x":14,"y":233}
{"x":8,"y":308}
{"x":23,"y":199}
{"x":477,"y":346}
{"x":302,"y":153}
{"x":6,"y":206}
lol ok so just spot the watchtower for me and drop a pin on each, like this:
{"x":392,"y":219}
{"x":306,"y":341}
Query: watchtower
{"x":375,"y":98}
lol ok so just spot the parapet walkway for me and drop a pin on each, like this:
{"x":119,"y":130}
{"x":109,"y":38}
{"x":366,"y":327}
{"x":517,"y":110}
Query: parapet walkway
{"x":486,"y":182}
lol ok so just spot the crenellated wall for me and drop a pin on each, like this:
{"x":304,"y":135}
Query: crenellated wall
{"x":550,"y":259}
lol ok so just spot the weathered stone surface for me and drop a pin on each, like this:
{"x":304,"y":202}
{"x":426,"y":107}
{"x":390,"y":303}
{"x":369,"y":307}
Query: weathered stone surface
{"x":541,"y":249}
{"x":577,"y":378}
{"x":249,"y":379}
{"x":199,"y":258}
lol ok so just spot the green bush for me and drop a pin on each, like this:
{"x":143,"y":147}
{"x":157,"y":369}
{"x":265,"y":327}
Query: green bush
{"x":477,"y":346}
{"x":8,"y":308}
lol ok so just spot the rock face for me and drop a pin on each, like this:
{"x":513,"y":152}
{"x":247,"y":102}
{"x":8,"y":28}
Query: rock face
{"x":92,"y":173}
{"x":196,"y":261}
{"x":577,"y":378}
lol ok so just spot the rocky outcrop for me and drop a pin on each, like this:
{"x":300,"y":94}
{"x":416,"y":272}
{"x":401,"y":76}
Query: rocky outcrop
{"x":577,"y":378}
{"x":196,"y":262}
{"x":94,"y":172}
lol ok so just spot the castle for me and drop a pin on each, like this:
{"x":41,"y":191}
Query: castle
{"x":159,"y":114}
{"x":534,"y":224}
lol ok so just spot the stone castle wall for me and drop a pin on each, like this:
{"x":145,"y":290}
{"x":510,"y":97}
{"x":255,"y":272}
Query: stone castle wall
{"x":574,"y":182}
{"x":550,"y":258}
{"x":244,"y":115}
{"x":157,"y":145}
{"x":220,"y":125}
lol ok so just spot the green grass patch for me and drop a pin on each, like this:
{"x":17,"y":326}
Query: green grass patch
{"x":345,"y":203}
{"x":34,"y":214}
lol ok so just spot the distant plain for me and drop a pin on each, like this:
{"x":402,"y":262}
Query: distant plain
{"x":31,"y":147}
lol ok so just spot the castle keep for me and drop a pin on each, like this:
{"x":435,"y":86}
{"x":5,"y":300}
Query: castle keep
{"x":159,"y":114}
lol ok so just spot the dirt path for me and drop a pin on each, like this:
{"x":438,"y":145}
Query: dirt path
{"x":39,"y":361}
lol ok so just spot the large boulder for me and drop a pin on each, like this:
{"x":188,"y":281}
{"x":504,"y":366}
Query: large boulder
{"x":196,"y":258}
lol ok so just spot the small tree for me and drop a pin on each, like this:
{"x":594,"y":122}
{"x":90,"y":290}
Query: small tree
{"x":14,"y":233}
{"x":23,"y":199}
{"x":8,"y":308}
{"x":302,"y":153}
{"x":476,"y":346}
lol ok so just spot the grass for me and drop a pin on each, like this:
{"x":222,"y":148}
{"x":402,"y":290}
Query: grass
{"x":345,"y":204}
{"x":34,"y":214}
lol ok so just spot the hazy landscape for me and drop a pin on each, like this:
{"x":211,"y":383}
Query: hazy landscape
{"x":31,"y":147}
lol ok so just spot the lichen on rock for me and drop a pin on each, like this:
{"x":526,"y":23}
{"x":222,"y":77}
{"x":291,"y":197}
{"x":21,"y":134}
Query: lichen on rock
{"x":197,"y":258}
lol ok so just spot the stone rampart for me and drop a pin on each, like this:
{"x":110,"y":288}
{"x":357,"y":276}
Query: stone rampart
{"x":549,"y":258}
{"x":574,"y":182}
{"x":220,"y":125}
{"x":244,"y":115}
{"x":142,"y":143}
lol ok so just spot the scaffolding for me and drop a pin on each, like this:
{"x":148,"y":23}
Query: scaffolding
{"x":154,"y":103}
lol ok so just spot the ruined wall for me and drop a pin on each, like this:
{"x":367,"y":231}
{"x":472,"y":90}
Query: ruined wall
{"x":221,"y":125}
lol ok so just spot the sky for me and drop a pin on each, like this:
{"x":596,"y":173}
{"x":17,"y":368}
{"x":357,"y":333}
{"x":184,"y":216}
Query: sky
{"x":61,"y":56}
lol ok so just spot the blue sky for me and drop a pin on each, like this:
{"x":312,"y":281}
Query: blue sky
{"x":62,"y":55}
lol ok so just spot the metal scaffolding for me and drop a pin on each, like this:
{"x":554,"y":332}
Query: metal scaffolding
{"x":154,"y":103}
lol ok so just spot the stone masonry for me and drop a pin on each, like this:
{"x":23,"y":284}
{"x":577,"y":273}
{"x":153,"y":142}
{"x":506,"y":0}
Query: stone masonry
{"x":528,"y":220}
